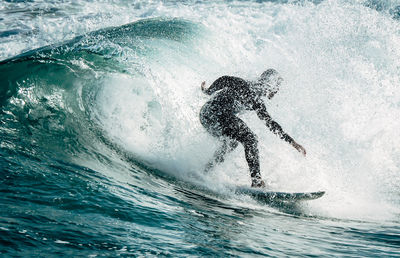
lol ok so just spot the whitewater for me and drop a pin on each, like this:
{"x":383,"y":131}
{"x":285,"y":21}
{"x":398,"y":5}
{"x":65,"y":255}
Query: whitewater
{"x":102,"y":152}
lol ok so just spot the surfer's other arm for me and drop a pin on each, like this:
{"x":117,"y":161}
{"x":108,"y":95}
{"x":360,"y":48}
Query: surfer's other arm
{"x":219,"y":84}
{"x":275,"y":127}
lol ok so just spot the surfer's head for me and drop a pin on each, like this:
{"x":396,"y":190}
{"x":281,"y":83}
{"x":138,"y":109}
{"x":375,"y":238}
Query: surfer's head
{"x":269,"y":82}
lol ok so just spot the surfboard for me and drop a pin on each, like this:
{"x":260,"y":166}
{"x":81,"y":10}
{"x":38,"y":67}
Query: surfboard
{"x":270,"y":196}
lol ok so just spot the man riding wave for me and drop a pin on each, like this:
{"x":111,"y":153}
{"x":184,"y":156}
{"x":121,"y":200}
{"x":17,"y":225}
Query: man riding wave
{"x":232,"y":95}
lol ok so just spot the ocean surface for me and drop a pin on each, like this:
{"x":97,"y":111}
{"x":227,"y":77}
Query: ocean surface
{"x":102,"y":152}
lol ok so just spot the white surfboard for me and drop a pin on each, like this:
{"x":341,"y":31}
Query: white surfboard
{"x":270,"y":196}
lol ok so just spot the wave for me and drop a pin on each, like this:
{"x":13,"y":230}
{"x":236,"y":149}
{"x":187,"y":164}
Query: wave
{"x":52,"y":90}
{"x":131,"y":91}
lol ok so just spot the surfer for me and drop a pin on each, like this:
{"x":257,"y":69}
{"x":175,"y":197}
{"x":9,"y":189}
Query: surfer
{"x":219,"y":117}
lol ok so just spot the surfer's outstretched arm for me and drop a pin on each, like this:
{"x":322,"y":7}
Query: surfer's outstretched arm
{"x":275,"y":127}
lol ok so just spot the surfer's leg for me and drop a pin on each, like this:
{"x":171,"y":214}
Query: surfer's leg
{"x":236,"y":129}
{"x":227,"y":146}
{"x":214,"y":124}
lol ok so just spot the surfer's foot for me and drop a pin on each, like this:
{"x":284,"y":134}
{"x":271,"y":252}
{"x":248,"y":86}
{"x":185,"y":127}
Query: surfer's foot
{"x":256,"y":182}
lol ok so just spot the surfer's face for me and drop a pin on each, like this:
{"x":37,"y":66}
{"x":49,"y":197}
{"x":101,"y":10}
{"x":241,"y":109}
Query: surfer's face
{"x":269,"y":83}
{"x":273,"y":85}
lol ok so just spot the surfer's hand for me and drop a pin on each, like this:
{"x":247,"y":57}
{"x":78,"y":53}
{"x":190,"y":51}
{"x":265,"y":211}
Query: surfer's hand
{"x":203,"y":86}
{"x":299,"y":148}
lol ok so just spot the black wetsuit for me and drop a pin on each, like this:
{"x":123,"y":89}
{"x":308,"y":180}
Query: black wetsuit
{"x":218,"y":116}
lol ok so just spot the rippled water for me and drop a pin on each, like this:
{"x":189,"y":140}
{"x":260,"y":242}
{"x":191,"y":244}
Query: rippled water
{"x":102,"y":152}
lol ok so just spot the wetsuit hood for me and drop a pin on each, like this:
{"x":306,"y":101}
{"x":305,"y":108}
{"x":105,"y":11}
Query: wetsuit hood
{"x":269,"y":82}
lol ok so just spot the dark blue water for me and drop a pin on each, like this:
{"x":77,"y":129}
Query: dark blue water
{"x":102,"y":153}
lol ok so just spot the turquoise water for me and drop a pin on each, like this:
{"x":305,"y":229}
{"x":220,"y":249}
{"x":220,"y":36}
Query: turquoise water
{"x":102,"y":151}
